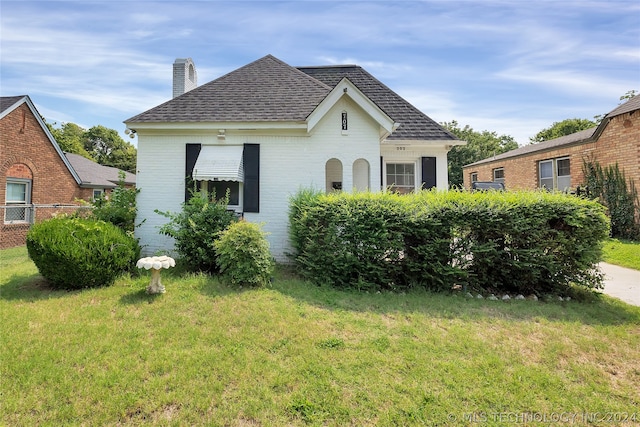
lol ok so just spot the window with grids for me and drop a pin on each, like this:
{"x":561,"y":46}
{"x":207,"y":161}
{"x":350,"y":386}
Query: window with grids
{"x":474,"y":177}
{"x":401,"y":177}
{"x":555,"y":174}
{"x":18,"y":198}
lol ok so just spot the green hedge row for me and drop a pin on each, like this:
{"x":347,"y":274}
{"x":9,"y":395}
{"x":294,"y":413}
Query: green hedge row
{"x":523,"y":242}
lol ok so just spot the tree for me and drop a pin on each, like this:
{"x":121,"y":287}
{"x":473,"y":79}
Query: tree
{"x":100,"y":144}
{"x":480,"y":145}
{"x":109,"y":149}
{"x":627,"y":96}
{"x":565,"y":127}
{"x":69,"y":137}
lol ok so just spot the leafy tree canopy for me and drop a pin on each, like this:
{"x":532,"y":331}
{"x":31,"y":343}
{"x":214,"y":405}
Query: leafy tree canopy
{"x":565,"y":127}
{"x":69,"y":138}
{"x":99,"y":143}
{"x":480,"y":145}
{"x":109,"y":149}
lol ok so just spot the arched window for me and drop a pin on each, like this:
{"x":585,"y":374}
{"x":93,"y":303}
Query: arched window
{"x":361,"y":175}
{"x":333,"y":175}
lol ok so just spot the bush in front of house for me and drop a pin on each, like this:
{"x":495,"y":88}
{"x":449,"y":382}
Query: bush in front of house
{"x":529,"y":242}
{"x":369,"y":241}
{"x":119,"y":208}
{"x":74,"y":253}
{"x":243,"y":255}
{"x":195,"y":229}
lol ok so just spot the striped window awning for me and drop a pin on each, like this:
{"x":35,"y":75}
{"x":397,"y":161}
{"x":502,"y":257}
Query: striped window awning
{"x":219,"y":163}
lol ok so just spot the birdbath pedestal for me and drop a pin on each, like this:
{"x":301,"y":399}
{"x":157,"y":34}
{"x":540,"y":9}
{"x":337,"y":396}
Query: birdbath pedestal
{"x":155,"y":264}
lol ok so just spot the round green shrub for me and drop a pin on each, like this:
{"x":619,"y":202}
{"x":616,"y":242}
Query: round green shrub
{"x":196,"y":228}
{"x":74,"y":253}
{"x":243,"y":255}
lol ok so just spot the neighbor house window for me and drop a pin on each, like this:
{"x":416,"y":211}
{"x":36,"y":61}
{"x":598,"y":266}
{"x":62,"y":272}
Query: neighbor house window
{"x":474,"y":177}
{"x":97,"y":193}
{"x":401,"y":177}
{"x":18,"y":199}
{"x":498,"y":175}
{"x":555,"y":174}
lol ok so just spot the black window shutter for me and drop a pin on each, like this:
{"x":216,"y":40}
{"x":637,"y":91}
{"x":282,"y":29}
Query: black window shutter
{"x":251,"y":161}
{"x":428,"y":172}
{"x":193,"y":151}
{"x":381,"y":173}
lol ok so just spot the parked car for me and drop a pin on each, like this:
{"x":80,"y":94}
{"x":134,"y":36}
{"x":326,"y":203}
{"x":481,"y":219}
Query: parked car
{"x":487,"y":185}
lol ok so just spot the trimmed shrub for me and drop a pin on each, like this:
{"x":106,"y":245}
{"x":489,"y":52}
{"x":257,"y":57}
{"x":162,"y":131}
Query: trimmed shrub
{"x":243,"y":255}
{"x":196,"y":228}
{"x":73,"y":253}
{"x":529,"y":242}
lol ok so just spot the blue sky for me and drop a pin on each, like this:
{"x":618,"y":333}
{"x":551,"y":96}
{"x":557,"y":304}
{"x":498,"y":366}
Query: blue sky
{"x":509,"y":66}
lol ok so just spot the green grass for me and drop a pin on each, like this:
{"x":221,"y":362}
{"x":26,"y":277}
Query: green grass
{"x":622,"y":252}
{"x":297,"y":354}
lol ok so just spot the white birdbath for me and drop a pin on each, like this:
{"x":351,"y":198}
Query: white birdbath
{"x":155,"y":264}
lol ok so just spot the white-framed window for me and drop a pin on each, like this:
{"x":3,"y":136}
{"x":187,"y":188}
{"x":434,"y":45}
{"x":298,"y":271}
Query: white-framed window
{"x":17,"y":201}
{"x":97,"y":193}
{"x":474,"y":177}
{"x":555,"y":174}
{"x":401,"y":177}
{"x":563,"y":167}
{"x":498,"y":175}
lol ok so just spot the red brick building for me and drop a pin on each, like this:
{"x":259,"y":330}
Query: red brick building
{"x":557,"y":164}
{"x":37,"y":180}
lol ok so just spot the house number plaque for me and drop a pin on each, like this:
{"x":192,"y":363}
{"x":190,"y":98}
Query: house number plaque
{"x":344,"y":120}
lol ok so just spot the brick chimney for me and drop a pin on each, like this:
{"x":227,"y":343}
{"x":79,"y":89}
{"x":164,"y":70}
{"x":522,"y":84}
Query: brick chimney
{"x":185,"y":77}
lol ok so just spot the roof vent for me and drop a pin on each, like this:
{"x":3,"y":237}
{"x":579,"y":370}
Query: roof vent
{"x":185,"y":77}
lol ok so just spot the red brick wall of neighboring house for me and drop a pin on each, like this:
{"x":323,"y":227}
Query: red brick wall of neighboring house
{"x":618,"y":143}
{"x":26,"y":152}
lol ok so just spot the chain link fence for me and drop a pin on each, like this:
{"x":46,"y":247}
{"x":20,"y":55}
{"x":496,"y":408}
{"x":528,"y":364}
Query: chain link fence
{"x":29,"y":214}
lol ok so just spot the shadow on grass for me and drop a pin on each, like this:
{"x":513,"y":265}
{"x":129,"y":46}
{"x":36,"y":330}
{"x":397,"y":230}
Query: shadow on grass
{"x":596,"y":309}
{"x":31,"y":288}
{"x":139,"y":297}
{"x":593,"y":308}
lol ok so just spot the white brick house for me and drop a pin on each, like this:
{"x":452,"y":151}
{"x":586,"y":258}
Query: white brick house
{"x":268,"y":129}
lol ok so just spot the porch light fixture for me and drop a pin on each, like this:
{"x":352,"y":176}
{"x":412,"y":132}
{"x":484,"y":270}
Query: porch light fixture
{"x":130,"y":132}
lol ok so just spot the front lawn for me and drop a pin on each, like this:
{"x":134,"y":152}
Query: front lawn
{"x":625,"y":253}
{"x":297,"y":354}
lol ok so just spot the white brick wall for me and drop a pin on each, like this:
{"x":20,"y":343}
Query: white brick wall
{"x":289,"y":161}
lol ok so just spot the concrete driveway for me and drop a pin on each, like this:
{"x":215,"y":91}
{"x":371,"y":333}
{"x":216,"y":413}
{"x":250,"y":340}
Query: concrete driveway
{"x":622,"y":283}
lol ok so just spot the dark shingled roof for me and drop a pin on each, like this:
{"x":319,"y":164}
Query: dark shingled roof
{"x":96,"y":175}
{"x":269,"y":90}
{"x":8,"y":101}
{"x":629,"y":106}
{"x":266,"y":90}
{"x":414,"y":124}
